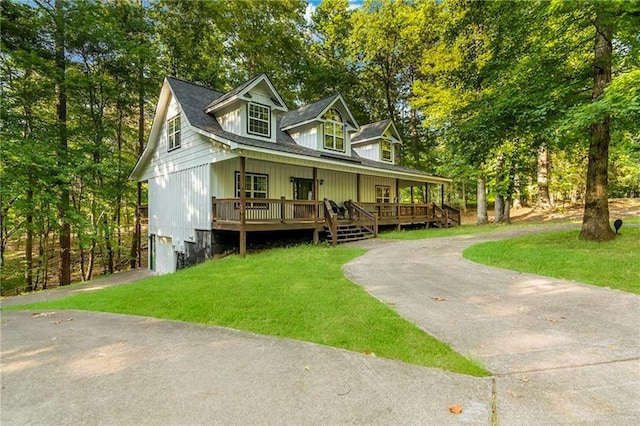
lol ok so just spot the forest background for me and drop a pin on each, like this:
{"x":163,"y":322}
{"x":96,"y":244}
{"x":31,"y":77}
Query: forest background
{"x":532,"y":102}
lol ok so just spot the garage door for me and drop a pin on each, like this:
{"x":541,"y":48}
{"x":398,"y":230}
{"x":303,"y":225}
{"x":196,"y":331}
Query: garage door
{"x":165,"y":256}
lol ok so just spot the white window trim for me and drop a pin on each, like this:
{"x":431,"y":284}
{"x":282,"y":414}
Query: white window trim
{"x":333,"y":135}
{"x":383,"y":199}
{"x":252,"y":190}
{"x":173,"y":135}
{"x":382,"y":151}
{"x":267,"y":121}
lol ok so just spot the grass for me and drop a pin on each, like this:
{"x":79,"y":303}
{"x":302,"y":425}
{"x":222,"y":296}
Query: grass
{"x":612,"y":264}
{"x":299,"y":293}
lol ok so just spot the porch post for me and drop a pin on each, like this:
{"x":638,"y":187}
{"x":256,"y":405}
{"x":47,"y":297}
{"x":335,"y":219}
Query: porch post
{"x":243,"y":198}
{"x":358,"y":187}
{"x":398,"y":226}
{"x":316,"y":213}
{"x":442,"y":195}
{"x":426,"y":193}
{"x":316,"y":189}
{"x":411,"y":194}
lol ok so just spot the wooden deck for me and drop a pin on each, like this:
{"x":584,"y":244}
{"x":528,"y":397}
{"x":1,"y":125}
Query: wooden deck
{"x":260,"y":214}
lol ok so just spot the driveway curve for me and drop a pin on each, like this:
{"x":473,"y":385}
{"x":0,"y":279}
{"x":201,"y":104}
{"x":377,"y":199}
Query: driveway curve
{"x":561,"y":351}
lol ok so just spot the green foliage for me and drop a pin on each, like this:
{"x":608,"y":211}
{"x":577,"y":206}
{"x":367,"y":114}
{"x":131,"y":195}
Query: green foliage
{"x":304,"y":296}
{"x":612,"y":264}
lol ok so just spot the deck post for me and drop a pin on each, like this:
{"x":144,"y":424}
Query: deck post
{"x":214,"y":209}
{"x":358,"y":187}
{"x":243,"y":242}
{"x":282,"y":209}
{"x":375,"y":225}
{"x":243,"y":198}
{"x":316,"y":235}
{"x":442,"y":195}
{"x":316,"y":189}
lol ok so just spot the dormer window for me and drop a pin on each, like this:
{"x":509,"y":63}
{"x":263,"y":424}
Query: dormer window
{"x":173,"y":132}
{"x":333,"y":131}
{"x":259,"y":122}
{"x":386,"y":151}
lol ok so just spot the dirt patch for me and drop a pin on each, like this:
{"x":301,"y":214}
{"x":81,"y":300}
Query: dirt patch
{"x":619,"y":208}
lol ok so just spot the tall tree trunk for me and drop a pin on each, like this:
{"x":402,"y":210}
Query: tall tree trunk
{"x":544,"y":200}
{"x":61,"y":110}
{"x":482,"y":201}
{"x":595,"y":223}
{"x":28,"y":249}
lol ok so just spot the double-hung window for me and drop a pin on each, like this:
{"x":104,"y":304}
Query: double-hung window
{"x":173,"y":133}
{"x":386,"y":151}
{"x":255,"y":186}
{"x":333,"y":131}
{"x":259,"y":122}
{"x":383,"y":194}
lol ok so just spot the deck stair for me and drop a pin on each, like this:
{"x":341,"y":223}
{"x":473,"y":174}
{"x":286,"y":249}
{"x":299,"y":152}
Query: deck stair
{"x":350,"y":232}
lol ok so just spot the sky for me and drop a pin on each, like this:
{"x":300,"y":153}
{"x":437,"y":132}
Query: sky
{"x":312,"y":4}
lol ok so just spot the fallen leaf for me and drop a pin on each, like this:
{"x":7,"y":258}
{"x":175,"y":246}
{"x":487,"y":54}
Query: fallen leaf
{"x":306,"y":367}
{"x":43,"y":314}
{"x":438,"y":299}
{"x":456,"y":409}
{"x":525,"y":379}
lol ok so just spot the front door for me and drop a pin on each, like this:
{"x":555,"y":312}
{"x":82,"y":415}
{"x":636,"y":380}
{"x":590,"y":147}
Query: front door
{"x":303,"y":189}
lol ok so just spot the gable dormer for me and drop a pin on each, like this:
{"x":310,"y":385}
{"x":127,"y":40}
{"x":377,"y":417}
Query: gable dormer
{"x":249,"y":110}
{"x":325,"y":125}
{"x":377,"y":141}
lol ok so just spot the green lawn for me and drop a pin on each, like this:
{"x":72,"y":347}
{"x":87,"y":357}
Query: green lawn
{"x":298,"y":292}
{"x":611,"y":264}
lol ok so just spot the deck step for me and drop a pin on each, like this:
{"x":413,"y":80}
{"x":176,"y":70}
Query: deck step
{"x":350,"y":232}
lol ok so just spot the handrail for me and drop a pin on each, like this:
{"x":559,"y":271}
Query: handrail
{"x":266,"y":210}
{"x":454,"y":214}
{"x":331,"y":220}
{"x":365,"y":219}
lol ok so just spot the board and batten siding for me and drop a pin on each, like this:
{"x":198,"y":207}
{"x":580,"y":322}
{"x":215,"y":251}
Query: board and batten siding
{"x":368,"y":187}
{"x":223,"y":177}
{"x":180,"y":203}
{"x":372,"y":151}
{"x":307,"y":136}
{"x":231,"y":121}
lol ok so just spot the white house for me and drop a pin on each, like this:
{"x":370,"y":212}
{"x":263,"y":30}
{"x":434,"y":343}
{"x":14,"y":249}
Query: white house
{"x":238,"y":162}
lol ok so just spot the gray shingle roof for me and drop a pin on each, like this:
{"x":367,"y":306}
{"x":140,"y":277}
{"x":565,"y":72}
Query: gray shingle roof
{"x":370,"y":131}
{"x":194,"y":99}
{"x":307,"y":112}
{"x":233,"y":92}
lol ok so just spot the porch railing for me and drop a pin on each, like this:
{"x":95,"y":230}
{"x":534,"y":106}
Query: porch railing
{"x":362,"y":217}
{"x":266,"y":210}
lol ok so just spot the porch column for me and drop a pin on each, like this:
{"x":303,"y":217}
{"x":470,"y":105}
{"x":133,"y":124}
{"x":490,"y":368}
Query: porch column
{"x":358,"y":188}
{"x":411,"y":194}
{"x":316,"y":213}
{"x":442,"y":195}
{"x":426,"y":193}
{"x":243,"y":198}
{"x":398,"y":226}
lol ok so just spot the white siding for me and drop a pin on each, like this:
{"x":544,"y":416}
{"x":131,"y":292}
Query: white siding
{"x":195,"y":149}
{"x":231,"y":121}
{"x":307,"y":136}
{"x":165,"y":256}
{"x":372,"y":152}
{"x":179,"y":203}
{"x":368,"y":187}
{"x":337,"y":186}
{"x":223,"y":177}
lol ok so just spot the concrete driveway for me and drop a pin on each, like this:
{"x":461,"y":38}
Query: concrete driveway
{"x":561,"y":352}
